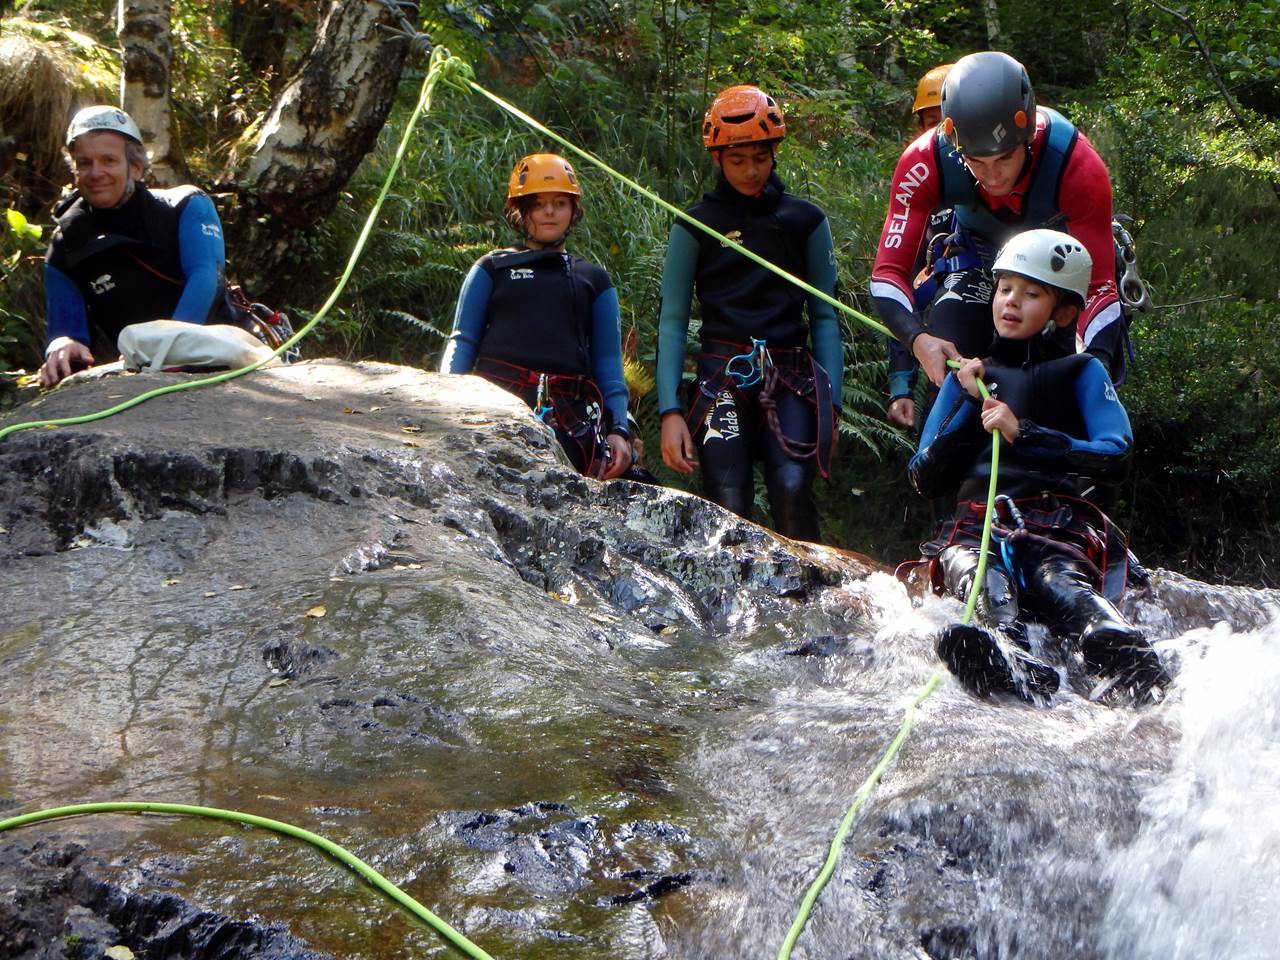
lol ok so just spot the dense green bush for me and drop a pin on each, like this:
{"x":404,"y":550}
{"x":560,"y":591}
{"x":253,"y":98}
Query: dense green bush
{"x":629,"y":81}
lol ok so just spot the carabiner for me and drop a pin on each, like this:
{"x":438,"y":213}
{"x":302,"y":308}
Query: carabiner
{"x":754,"y":360}
{"x":541,"y":406}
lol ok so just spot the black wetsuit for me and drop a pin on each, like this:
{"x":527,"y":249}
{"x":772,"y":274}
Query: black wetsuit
{"x":742,"y":301}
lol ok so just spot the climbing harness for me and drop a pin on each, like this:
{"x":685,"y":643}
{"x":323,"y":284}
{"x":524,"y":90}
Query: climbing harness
{"x":272,"y":327}
{"x":567,"y":403}
{"x":737,"y":367}
{"x":343,"y":856}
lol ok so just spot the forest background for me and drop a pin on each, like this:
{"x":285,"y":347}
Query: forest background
{"x":1182,"y":102}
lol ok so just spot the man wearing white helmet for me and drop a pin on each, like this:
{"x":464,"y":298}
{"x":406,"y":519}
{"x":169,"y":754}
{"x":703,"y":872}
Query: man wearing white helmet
{"x":1058,"y":559}
{"x":123,"y":253}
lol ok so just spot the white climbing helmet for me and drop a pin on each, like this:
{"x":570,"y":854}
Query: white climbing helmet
{"x":1050,"y":257}
{"x":102,"y":117}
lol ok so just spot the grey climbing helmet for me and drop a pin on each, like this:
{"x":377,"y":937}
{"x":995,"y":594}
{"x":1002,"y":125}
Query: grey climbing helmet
{"x":988,"y":106}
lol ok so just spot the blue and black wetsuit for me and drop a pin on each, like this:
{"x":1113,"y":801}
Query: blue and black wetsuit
{"x":545,"y":325}
{"x":1059,"y":551}
{"x":158,"y":255}
{"x":741,"y":301}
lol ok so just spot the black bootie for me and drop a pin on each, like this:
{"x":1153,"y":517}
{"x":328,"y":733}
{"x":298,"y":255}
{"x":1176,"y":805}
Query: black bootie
{"x":1120,"y":652}
{"x":985,"y":666}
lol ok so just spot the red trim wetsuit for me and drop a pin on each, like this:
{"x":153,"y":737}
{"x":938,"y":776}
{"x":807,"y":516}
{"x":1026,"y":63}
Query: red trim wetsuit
{"x":1064,"y":185}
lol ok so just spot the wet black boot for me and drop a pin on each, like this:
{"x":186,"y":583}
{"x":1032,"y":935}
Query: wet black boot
{"x":976,"y":657}
{"x":985,"y":666}
{"x":1120,"y":652}
{"x":1110,"y":646}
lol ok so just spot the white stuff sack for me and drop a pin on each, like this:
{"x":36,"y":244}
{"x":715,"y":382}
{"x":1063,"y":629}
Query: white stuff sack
{"x":171,"y":343}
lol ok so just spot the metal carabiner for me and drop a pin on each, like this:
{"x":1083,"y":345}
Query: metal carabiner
{"x":1014,"y":513}
{"x":541,"y":406}
{"x":1131,"y":287}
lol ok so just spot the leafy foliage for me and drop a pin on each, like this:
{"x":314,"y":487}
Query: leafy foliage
{"x":1182,"y":102}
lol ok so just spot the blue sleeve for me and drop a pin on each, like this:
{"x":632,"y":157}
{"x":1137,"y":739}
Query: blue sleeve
{"x":947,"y":443}
{"x":65,"y":314}
{"x":820,"y":272}
{"x":606,"y":356}
{"x":678,"y":272}
{"x":469,"y":321}
{"x":204,"y":257}
{"x":1109,"y":435}
{"x":902,"y":370}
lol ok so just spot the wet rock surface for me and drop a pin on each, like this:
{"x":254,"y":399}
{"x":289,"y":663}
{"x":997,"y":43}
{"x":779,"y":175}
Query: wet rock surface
{"x":574,"y":719}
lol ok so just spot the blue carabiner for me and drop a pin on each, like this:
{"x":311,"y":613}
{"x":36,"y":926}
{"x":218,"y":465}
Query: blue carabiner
{"x":754,"y":360}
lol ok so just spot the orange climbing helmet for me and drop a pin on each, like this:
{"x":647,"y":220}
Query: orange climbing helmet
{"x":742,"y":114}
{"x":929,"y":89}
{"x":542,"y":173}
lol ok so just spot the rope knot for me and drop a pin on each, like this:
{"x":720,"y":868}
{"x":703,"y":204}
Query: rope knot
{"x":454,"y":71}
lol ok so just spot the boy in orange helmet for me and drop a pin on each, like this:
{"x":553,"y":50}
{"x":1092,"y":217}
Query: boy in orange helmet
{"x":761,"y":392}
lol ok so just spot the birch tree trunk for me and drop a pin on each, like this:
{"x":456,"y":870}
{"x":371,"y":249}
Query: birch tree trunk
{"x":143,"y":29}
{"x":323,"y":123}
{"x":995,"y":39}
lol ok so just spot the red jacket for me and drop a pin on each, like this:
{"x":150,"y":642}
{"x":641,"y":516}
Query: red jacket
{"x":1084,"y":197}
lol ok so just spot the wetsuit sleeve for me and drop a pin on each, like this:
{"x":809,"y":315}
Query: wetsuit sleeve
{"x":65,"y":313}
{"x":203,"y":254}
{"x":948,"y":443}
{"x":673,"y":319}
{"x":606,"y":357}
{"x":902,"y":370}
{"x":468,"y":322}
{"x":820,"y":272}
{"x":1085,"y":199}
{"x":913,"y":195}
{"x":1105,"y":449}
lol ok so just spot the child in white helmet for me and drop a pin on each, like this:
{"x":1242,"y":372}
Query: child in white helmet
{"x":1056,"y":558}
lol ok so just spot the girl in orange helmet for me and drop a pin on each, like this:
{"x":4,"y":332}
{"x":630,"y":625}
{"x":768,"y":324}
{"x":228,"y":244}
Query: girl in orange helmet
{"x":544,"y":324}
{"x":770,"y":367}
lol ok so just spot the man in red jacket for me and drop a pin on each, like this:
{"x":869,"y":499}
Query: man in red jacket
{"x":1004,"y":166}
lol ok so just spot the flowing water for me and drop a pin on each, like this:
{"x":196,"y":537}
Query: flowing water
{"x":575,"y":721}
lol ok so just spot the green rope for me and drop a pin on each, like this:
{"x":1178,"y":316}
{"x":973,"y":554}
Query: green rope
{"x":372,"y":876}
{"x":671,"y":208}
{"x":443,"y":67}
{"x":908,"y":720}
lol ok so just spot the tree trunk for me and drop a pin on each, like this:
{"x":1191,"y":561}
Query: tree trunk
{"x":143,"y":28}
{"x":323,"y":123}
{"x":995,"y":39}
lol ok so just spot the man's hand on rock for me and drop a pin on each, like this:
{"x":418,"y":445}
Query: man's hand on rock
{"x":64,"y":356}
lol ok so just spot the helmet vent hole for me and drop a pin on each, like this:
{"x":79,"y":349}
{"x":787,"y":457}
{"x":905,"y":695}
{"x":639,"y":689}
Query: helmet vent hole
{"x":739,"y":118}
